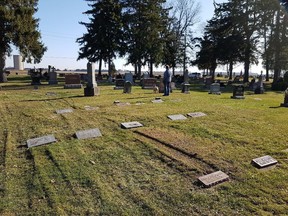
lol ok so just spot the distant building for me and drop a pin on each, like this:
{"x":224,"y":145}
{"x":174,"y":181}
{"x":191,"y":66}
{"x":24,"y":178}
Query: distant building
{"x":18,"y":63}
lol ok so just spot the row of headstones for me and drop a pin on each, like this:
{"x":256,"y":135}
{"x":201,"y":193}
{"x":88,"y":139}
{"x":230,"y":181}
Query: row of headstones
{"x":207,"y":180}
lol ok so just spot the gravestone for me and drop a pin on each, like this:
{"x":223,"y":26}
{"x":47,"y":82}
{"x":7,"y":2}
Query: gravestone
{"x":89,"y":108}
{"x":196,"y":114}
{"x":264,"y":161}
{"x":129,"y":77}
{"x":161,"y":86}
{"x":238,"y":92}
{"x":91,"y":88}
{"x":41,"y":141}
{"x":285,"y":104}
{"x":185,"y":88}
{"x":213,"y":178}
{"x":157,"y":100}
{"x":63,"y":111}
{"x":119,"y":84}
{"x":72,"y":81}
{"x":177,"y":117}
{"x":208,"y":81}
{"x":129,"y":125}
{"x":127,"y":87}
{"x":52,"y":76}
{"x":215,"y":89}
{"x":148,"y":83}
{"x":259,"y":88}
{"x":87,"y":134}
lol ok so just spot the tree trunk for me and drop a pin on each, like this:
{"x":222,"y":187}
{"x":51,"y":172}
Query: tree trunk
{"x":3,"y":77}
{"x":139,"y":70}
{"x":100,"y":68}
{"x":230,"y":70}
{"x":151,"y":68}
{"x":277,"y":45}
{"x":247,"y":63}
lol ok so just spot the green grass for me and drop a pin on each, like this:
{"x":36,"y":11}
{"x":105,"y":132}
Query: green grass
{"x":125,"y":172}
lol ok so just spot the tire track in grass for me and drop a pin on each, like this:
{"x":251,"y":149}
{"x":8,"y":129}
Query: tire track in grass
{"x":179,"y":155}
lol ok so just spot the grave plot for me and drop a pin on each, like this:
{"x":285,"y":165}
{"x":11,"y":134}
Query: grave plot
{"x":177,"y":117}
{"x":41,"y":141}
{"x":213,"y":178}
{"x":90,"y":108}
{"x":196,"y":114}
{"x":264,"y":161}
{"x":128,"y":125}
{"x":63,"y":111}
{"x":88,"y":134}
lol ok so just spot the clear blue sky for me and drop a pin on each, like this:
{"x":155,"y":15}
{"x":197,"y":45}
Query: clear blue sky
{"x":59,"y":26}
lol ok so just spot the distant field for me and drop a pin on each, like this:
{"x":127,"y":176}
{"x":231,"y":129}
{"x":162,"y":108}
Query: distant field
{"x":150,"y":170}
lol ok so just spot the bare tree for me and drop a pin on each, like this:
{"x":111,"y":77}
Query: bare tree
{"x":186,"y":14}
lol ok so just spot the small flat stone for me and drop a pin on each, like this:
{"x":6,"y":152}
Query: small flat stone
{"x":128,"y":125}
{"x":87,"y":134}
{"x":63,"y":111}
{"x":40,"y":141}
{"x":177,"y":117}
{"x":213,"y":178}
{"x":264,"y":161}
{"x":196,"y":114}
{"x":89,"y":108}
{"x":157,"y":101}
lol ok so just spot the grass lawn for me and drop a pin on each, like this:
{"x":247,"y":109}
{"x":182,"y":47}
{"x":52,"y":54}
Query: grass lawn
{"x":151,"y":170}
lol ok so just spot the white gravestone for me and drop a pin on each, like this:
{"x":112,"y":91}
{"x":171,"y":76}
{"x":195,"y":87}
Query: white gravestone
{"x":87,"y":134}
{"x":41,"y":141}
{"x":128,"y":125}
{"x":177,"y":117}
{"x":264,"y":161}
{"x":196,"y":114}
{"x":213,"y":178}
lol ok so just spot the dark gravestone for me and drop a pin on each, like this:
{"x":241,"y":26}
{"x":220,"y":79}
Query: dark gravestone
{"x":238,"y":92}
{"x":119,"y":84}
{"x":177,"y":117}
{"x":128,"y":125}
{"x":213,"y":178}
{"x":40,"y":141}
{"x":148,"y":83}
{"x":185,"y":88}
{"x":215,"y":89}
{"x":264,"y":161}
{"x":72,"y":81}
{"x":127,"y":87}
{"x":196,"y":114}
{"x":87,"y":134}
{"x":63,"y":111}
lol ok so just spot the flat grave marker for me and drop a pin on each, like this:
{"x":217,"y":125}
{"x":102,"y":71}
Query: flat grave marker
{"x":177,"y":117}
{"x":213,"y":178}
{"x":63,"y":111}
{"x":41,"y":141}
{"x":87,"y":134}
{"x":196,"y":114}
{"x":157,"y":100}
{"x":264,"y":161}
{"x":128,"y":125}
{"x":90,"y":108}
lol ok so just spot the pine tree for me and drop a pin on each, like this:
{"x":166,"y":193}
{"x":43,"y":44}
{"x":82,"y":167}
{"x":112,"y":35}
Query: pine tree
{"x":104,"y":32}
{"x":18,"y":27}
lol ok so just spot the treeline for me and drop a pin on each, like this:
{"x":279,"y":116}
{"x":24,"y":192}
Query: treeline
{"x":245,"y":31}
{"x":152,"y":32}
{"x":146,"y":32}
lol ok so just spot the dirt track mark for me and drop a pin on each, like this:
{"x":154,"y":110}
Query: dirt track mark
{"x":180,"y":155}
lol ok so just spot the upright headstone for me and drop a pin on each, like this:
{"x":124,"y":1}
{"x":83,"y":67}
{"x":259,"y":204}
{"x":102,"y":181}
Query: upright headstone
{"x":149,"y":83}
{"x":128,"y":77}
{"x":161,"y":86}
{"x":127,"y":87}
{"x":52,"y":76}
{"x":238,"y":92}
{"x":285,"y":104}
{"x":119,"y":84}
{"x":72,"y":81}
{"x":91,"y":88}
{"x":215,"y":89}
{"x":259,"y":86}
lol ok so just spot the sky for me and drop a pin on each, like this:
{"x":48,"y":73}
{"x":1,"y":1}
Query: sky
{"x":59,"y":27}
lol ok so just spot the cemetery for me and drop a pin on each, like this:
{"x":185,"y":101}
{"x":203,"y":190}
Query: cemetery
{"x":82,"y":151}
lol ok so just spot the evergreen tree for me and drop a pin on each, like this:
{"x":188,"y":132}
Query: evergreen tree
{"x":104,"y":32}
{"x":18,"y":27}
